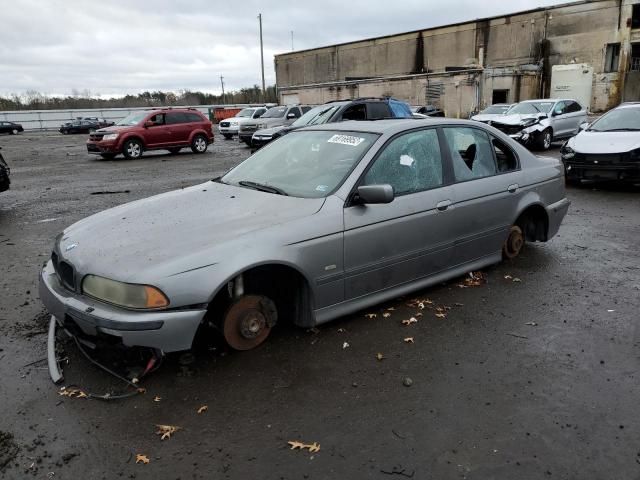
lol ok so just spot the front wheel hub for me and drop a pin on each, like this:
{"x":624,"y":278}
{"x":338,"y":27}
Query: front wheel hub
{"x":248,"y":321}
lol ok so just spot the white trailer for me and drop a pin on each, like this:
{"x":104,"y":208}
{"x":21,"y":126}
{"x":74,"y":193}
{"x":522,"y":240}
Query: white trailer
{"x":573,"y":81}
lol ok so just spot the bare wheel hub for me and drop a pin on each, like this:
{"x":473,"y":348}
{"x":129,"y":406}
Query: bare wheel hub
{"x":514,"y":243}
{"x":248,"y":321}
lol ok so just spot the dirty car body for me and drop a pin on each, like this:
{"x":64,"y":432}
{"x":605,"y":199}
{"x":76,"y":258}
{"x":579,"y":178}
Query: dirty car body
{"x":323,"y":222}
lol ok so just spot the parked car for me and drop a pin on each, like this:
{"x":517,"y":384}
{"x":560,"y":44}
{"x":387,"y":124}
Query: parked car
{"x":229,"y":126}
{"x":160,"y":129}
{"x":491,"y":112}
{"x":607,"y":149}
{"x":5,"y":172}
{"x":102,"y":122}
{"x":538,"y":123}
{"x":328,"y":220}
{"x":273,"y":117}
{"x":337,"y":111}
{"x":428,"y":110}
{"x":10,"y":127}
{"x":79,"y":126}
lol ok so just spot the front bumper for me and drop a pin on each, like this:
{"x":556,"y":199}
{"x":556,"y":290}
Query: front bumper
{"x":622,"y":172}
{"x":258,"y":141}
{"x":96,"y":148}
{"x":168,"y":330}
{"x":230,"y":130}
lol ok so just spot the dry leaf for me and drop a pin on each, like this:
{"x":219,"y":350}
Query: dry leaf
{"x":386,"y":315}
{"x":508,"y":277}
{"x":379,"y":356}
{"x":165,"y":431}
{"x":516,"y":280}
{"x":421,"y":305}
{"x":341,"y":330}
{"x":533,"y":324}
{"x":203,"y":409}
{"x":409,"y":321}
{"x":371,"y":315}
{"x":409,"y":340}
{"x":142,"y":390}
{"x":157,"y":399}
{"x":141,"y":458}
{"x":72,"y":392}
{"x":419,"y":314}
{"x":441,"y":315}
{"x":312,"y":447}
{"x":345,"y":345}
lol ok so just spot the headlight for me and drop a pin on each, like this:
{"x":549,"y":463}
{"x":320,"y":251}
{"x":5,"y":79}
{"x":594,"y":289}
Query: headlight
{"x":233,"y":124}
{"x":528,"y":122}
{"x":567,"y":152}
{"x":110,"y":136}
{"x":128,"y":295}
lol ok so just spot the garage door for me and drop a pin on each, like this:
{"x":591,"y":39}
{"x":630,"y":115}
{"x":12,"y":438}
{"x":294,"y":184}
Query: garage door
{"x":290,"y":99}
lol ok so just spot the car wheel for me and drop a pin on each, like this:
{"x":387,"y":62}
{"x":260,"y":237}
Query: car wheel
{"x":14,"y":131}
{"x":514,"y":243}
{"x":108,"y":156}
{"x":132,"y":149}
{"x":174,"y":151}
{"x":544,"y":139}
{"x":248,"y":321}
{"x":91,"y":130}
{"x":199,"y":144}
{"x":228,"y":137}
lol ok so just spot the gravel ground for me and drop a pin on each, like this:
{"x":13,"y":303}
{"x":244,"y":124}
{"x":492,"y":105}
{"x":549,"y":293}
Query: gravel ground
{"x":528,"y":379}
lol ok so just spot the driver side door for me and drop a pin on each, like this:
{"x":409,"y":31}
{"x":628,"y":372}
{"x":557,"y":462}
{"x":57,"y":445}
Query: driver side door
{"x":386,"y":245}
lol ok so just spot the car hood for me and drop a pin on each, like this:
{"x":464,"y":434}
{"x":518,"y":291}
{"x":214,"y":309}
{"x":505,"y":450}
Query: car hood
{"x":484,"y":117}
{"x":173,"y":228}
{"x":270,"y":131}
{"x":515,"y":119}
{"x":270,"y":122}
{"x":115,"y":128}
{"x":605,"y":142}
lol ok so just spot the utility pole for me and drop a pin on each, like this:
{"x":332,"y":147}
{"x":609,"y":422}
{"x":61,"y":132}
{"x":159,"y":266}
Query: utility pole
{"x":292,"y":40}
{"x":222,"y":83}
{"x":264,"y":94}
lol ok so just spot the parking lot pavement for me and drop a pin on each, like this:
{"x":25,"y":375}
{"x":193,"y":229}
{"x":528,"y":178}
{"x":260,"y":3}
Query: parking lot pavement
{"x":532,"y":374}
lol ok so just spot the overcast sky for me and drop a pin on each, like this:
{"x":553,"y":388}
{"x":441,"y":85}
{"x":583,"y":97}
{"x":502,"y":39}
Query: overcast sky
{"x":114,"y":47}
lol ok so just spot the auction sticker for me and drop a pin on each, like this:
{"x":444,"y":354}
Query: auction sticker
{"x":346,"y":140}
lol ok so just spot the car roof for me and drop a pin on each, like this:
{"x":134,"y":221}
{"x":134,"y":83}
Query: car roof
{"x":549,"y":100}
{"x":390,"y":126}
{"x":629,"y":105}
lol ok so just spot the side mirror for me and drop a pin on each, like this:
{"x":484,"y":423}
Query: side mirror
{"x":291,"y":115}
{"x":373,"y":194}
{"x":584,"y":125}
{"x":148,"y":124}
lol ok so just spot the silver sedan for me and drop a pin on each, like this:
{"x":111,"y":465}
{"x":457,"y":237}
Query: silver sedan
{"x":323,"y":222}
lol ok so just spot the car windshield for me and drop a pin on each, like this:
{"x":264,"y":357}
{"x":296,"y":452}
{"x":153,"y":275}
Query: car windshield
{"x":275,"y":112}
{"x":306,"y":164}
{"x":532,"y":107}
{"x":619,"y":119}
{"x":316,"y":116}
{"x":499,"y":109}
{"x":245,"y":112}
{"x":132,"y":119}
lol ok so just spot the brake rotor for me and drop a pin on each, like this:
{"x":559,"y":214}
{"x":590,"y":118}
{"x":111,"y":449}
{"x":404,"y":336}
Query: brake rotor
{"x":248,"y":321}
{"x":514,"y":243}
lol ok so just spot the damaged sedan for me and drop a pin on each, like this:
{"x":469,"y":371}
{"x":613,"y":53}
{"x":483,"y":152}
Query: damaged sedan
{"x":538,"y":123}
{"x":321,"y":223}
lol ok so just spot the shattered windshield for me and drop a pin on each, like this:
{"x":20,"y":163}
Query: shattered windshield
{"x":132,"y":119}
{"x":527,"y":108}
{"x":316,"y":116}
{"x":306,"y":164}
{"x":620,"y":120}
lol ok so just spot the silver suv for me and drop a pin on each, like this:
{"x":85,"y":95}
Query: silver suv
{"x":229,"y":126}
{"x":274,"y":117}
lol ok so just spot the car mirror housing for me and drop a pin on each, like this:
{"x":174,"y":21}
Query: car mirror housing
{"x":374,"y":194}
{"x":584,"y":125}
{"x":291,"y":115}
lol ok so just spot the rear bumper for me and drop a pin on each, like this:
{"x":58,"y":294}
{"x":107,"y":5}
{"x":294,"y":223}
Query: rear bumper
{"x":169,"y":331}
{"x":628,"y":172}
{"x":556,"y":213}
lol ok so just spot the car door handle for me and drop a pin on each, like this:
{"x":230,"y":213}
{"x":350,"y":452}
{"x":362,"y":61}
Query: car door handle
{"x":443,"y":205}
{"x":512,"y":188}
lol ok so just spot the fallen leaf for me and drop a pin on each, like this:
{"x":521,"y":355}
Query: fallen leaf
{"x":533,"y":324}
{"x":341,"y":330}
{"x":441,"y":315}
{"x":371,"y":315}
{"x":141,"y":458}
{"x":508,"y":277}
{"x":345,"y":345}
{"x":157,"y":399}
{"x":421,"y":305}
{"x":409,"y":321}
{"x":386,"y":315}
{"x":409,"y":340}
{"x":419,"y":314}
{"x":516,"y":280}
{"x":142,"y":390}
{"x":203,"y":409}
{"x":312,"y":447}
{"x":72,"y":393}
{"x":165,"y":431}
{"x":379,"y":356}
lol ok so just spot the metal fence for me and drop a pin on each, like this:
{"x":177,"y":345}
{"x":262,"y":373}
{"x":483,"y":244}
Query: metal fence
{"x":52,"y":119}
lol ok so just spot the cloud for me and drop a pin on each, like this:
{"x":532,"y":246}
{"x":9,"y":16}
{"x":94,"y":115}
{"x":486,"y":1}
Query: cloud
{"x":119,"y":47}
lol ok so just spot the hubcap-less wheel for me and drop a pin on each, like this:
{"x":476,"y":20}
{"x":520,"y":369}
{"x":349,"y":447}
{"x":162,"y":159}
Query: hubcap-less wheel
{"x":14,"y":131}
{"x":200,"y":144}
{"x":248,"y":322}
{"x":546,"y":140}
{"x":514,"y":243}
{"x":133,"y":149}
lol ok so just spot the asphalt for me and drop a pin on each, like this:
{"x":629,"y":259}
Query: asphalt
{"x":531,"y":374}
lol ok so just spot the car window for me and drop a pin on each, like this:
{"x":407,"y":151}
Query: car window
{"x":175,"y":117}
{"x":259,"y":112}
{"x":378,"y":110}
{"x":572,"y":107}
{"x":471,"y":153}
{"x":355,"y":112}
{"x":193,"y":117}
{"x":410,"y":163}
{"x":275,"y":112}
{"x":157,"y":119}
{"x":305,"y":109}
{"x":505,"y":157}
{"x":559,"y":109}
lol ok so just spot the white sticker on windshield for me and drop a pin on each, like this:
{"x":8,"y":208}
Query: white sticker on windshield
{"x":346,"y":140}
{"x":322,"y":188}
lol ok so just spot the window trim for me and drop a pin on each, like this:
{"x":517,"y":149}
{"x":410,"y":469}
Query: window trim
{"x":493,"y":154}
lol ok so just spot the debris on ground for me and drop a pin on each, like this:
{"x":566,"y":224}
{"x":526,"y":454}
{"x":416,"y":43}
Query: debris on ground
{"x":110,"y":192}
{"x":516,"y":280}
{"x":386,"y":315}
{"x":345,"y":345}
{"x":379,"y":356}
{"x":312,"y":447}
{"x":141,"y":458}
{"x":203,"y":409}
{"x":157,"y":399}
{"x":72,"y":393}
{"x":407,"y":382}
{"x":398,"y":470}
{"x":408,"y":340}
{"x":409,"y":321}
{"x":371,"y":315}
{"x":474,"y":279}
{"x":8,"y":449}
{"x":165,"y":431}
{"x":532,"y":324}
{"x":342,"y":330}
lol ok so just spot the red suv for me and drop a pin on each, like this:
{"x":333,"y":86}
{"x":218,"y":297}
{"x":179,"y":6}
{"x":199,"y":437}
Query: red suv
{"x":162,"y":129}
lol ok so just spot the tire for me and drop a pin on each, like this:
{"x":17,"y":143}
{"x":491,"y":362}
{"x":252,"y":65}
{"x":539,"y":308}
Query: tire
{"x":174,"y":151}
{"x":132,"y":149}
{"x":248,"y":321}
{"x":543,"y":140}
{"x":228,"y":137}
{"x":91,"y":130}
{"x":513,"y":244}
{"x":199,"y":144}
{"x":14,"y":131}
{"x":108,"y":156}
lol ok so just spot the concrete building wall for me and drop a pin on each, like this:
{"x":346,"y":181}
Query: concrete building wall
{"x":515,"y":52}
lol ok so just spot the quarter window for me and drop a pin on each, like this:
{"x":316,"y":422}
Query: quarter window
{"x":471,"y":153}
{"x":378,"y":110}
{"x":572,"y":107}
{"x":175,"y":117}
{"x":505,"y":158}
{"x":410,"y":163}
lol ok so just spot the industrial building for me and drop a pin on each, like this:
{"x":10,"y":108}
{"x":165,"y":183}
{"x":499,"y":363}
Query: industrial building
{"x":588,"y":50}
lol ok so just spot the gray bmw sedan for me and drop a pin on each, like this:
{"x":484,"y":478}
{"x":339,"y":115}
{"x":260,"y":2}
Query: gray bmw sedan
{"x":323,"y":222}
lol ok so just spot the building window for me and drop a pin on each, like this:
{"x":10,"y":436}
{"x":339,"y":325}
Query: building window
{"x":635,"y":16}
{"x":612,"y":58}
{"x":500,"y":96}
{"x":634,"y":65}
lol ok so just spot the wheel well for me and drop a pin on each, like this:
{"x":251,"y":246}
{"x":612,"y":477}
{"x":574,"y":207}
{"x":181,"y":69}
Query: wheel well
{"x":287,"y":287}
{"x":132,"y":137}
{"x":534,"y":223}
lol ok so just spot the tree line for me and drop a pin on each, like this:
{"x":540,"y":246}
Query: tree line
{"x":32,"y":100}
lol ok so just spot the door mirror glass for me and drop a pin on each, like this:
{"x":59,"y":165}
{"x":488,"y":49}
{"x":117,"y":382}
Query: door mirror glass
{"x":372,"y":194}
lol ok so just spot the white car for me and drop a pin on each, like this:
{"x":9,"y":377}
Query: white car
{"x":607,"y":149}
{"x":229,"y":126}
{"x":537,"y":123}
{"x":491,"y":112}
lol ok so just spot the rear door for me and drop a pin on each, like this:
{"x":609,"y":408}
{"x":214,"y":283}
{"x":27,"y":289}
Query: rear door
{"x":485,"y":193}
{"x":391,"y":244}
{"x":179,"y":127}
{"x":576,"y":115}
